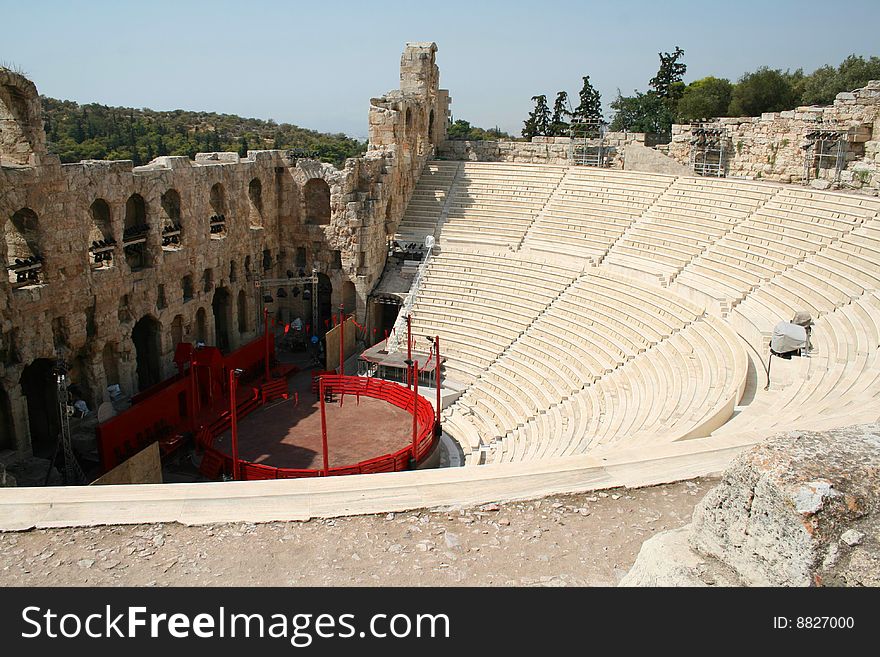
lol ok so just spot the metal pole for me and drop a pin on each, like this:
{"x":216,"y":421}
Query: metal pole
{"x":315,"y":319}
{"x":437,"y":377}
{"x":415,"y":428}
{"x":266,"y":338}
{"x":324,"y":428}
{"x":341,"y":340}
{"x":408,"y":344}
{"x":233,"y":414}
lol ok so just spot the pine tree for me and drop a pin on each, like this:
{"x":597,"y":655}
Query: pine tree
{"x":538,"y":122}
{"x":559,"y":125}
{"x":590,"y":107}
{"x":243,"y":147}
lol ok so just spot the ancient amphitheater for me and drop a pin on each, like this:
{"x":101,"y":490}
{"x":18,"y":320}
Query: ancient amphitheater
{"x":600,"y":325}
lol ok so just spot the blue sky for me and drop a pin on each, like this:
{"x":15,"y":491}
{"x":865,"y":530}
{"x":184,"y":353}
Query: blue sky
{"x":317,"y":64}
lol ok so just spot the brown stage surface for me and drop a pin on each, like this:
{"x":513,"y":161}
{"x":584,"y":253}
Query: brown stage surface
{"x":288,"y":435}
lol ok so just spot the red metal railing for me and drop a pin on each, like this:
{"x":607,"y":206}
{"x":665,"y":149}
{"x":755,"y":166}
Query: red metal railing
{"x":215,"y":462}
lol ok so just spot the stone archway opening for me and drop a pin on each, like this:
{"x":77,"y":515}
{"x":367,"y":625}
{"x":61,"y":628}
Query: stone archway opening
{"x":39,"y":386}
{"x":135,"y":233}
{"x":317,"y":200}
{"x":22,"y":238}
{"x":146,"y":335}
{"x":101,"y":234}
{"x":222,"y":308}
{"x":255,"y":200}
{"x":202,"y":326}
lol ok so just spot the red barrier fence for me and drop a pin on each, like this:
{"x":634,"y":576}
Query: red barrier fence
{"x":180,"y":405}
{"x":215,"y":462}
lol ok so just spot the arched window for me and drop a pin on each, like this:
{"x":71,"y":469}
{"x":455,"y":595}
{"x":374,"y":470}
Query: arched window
{"x":202,"y":326}
{"x":23,"y":248}
{"x":317,"y":200}
{"x":101,"y":242}
{"x":409,"y":121}
{"x":134,"y":237}
{"x":431,"y":127}
{"x":172,"y":231}
{"x":255,"y":198}
{"x":218,"y":208}
{"x":146,"y":336}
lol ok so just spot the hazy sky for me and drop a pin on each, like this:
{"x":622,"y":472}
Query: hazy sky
{"x":317,"y":64}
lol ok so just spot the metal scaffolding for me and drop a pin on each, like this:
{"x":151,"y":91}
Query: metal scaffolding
{"x":708,"y":150}
{"x":587,"y":147}
{"x":823,"y":150}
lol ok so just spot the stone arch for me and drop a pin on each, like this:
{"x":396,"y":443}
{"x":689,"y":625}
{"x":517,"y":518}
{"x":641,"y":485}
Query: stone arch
{"x":316,"y":194}
{"x":177,"y":330}
{"x":22,"y":238}
{"x":349,"y":297}
{"x":221,"y":305}
{"x":242,"y":313}
{"x":255,"y":199}
{"x":21,"y":125}
{"x":202,"y":326}
{"x":101,"y":231}
{"x":6,"y":437}
{"x":41,"y":391}
{"x":409,"y":121}
{"x":247,"y":268}
{"x":170,"y":202}
{"x":147,"y":338}
{"x":135,"y":227}
{"x":218,"y":199}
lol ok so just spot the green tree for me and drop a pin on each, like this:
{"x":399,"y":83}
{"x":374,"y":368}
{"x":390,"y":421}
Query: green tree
{"x":590,"y":106}
{"x":641,"y":113}
{"x":765,"y":90}
{"x":559,"y":126}
{"x":538,"y":122}
{"x":667,"y":84}
{"x":823,"y":84}
{"x":243,"y":147}
{"x":704,"y":99}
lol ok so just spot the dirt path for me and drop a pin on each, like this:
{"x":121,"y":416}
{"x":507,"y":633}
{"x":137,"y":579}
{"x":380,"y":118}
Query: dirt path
{"x":568,"y":540}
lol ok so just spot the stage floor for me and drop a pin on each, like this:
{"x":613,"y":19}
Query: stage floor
{"x":285,"y":434}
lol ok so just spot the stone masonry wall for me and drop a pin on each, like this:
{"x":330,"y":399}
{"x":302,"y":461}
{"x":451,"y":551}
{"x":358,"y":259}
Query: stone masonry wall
{"x":85,"y":313}
{"x":540,"y":150}
{"x":770,"y":147}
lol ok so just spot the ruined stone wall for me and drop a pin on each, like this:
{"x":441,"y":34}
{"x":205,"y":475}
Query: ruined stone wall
{"x":770,"y":147}
{"x":540,"y":150}
{"x":85,"y":312}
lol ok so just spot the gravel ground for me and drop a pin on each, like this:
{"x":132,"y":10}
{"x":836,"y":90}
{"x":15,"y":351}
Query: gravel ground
{"x":568,"y":540}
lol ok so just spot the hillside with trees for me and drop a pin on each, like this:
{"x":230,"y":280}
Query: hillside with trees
{"x":463,"y":130}
{"x":98,"y":132}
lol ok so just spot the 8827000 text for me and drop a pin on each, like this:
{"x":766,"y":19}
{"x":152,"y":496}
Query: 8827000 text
{"x":814,"y":623}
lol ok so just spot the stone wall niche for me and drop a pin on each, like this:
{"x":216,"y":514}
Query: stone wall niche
{"x":21,"y":235}
{"x":316,"y":195}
